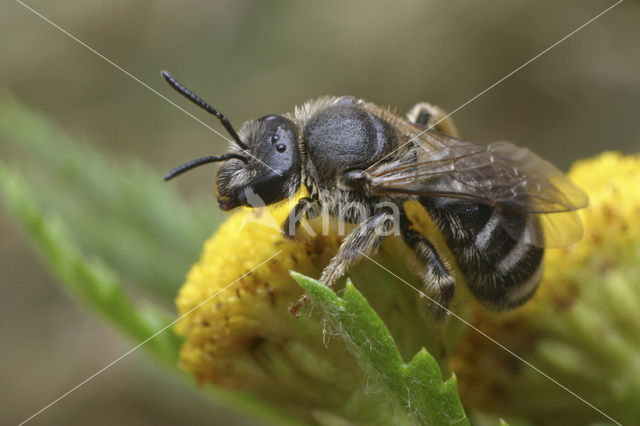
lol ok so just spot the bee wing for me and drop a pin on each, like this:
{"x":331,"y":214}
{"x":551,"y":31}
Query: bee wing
{"x":559,"y":229}
{"x":501,"y":175}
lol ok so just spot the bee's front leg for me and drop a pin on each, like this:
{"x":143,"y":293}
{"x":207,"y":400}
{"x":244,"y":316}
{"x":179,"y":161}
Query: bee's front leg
{"x":439,"y":282}
{"x":305,"y":207}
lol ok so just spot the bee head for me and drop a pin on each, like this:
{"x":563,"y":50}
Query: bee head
{"x":272,"y":169}
{"x":264,"y":160}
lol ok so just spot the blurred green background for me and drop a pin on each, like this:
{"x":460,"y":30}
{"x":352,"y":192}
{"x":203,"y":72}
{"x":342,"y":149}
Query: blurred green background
{"x":250,"y":58}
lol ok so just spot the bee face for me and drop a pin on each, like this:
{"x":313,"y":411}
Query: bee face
{"x":273,"y":168}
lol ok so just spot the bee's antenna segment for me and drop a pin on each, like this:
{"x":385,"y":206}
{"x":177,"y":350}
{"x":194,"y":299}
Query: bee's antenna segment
{"x":200,"y":161}
{"x":205,"y":106}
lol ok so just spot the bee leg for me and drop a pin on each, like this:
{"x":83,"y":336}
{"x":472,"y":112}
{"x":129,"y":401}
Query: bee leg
{"x":364,"y":240}
{"x":439,"y":282}
{"x":432,"y":116}
{"x":295,"y":308}
{"x":305,"y":206}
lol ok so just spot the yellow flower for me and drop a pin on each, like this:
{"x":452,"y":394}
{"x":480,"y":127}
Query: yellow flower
{"x":244,"y":337}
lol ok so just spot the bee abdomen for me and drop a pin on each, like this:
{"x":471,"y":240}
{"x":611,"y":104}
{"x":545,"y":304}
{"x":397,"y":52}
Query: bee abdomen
{"x":492,"y":249}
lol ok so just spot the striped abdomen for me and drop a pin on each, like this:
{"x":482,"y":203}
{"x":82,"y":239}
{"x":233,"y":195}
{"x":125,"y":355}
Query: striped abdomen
{"x":501,"y":269}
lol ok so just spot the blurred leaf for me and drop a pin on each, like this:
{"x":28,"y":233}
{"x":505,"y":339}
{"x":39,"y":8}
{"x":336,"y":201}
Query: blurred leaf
{"x":125,"y":212}
{"x":417,"y":386}
{"x":87,"y":279}
{"x":96,"y":286}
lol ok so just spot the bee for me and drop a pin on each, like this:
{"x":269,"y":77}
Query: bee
{"x":498,"y":206}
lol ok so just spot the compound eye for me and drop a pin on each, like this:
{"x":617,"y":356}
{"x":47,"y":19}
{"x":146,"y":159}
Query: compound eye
{"x":277,"y":145}
{"x":277,"y":148}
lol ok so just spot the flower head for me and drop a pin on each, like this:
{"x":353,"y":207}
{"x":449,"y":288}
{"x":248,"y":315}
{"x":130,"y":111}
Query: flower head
{"x":245,"y":338}
{"x":579,"y":327}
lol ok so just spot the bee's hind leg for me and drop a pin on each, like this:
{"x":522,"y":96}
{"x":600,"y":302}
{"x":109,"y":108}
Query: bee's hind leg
{"x":362,"y":241}
{"x":438,"y":280}
{"x":428,"y":115}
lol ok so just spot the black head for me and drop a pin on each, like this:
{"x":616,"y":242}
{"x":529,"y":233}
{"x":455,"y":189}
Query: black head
{"x":273,"y":169}
{"x":264,"y":158}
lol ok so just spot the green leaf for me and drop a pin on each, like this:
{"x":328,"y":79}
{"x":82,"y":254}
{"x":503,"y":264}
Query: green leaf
{"x":90,"y":280}
{"x":417,"y":387}
{"x":97,"y":287}
{"x":122,"y":210}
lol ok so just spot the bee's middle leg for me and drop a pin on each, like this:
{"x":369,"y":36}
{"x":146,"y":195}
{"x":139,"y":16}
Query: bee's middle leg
{"x":364,"y":240}
{"x":438,"y":280}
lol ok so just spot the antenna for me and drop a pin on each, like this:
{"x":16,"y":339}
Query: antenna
{"x":200,"y":161}
{"x":205,"y":106}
